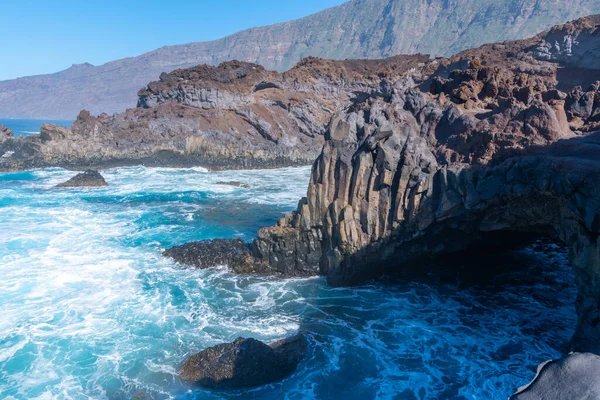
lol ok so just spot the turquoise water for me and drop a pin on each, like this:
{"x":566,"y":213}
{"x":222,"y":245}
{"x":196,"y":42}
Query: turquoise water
{"x":27,"y":127}
{"x":90,"y":309}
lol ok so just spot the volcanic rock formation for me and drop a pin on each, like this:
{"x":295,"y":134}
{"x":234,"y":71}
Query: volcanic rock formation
{"x":89,"y":178}
{"x":244,"y":363}
{"x":495,"y":140}
{"x":237,"y":115}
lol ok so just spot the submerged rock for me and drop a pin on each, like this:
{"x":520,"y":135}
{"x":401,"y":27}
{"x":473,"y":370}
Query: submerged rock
{"x":234,"y":183}
{"x":244,"y":363}
{"x":575,"y":377}
{"x":89,"y":178}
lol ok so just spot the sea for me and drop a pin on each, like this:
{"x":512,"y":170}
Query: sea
{"x":28,"y":127}
{"x":90,"y":309}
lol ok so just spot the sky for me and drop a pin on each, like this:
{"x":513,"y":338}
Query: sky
{"x":46,"y":36}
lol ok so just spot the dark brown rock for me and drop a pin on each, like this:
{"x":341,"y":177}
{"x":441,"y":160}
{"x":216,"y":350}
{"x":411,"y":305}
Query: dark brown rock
{"x":244,"y":363}
{"x":209,"y":253}
{"x":89,"y":178}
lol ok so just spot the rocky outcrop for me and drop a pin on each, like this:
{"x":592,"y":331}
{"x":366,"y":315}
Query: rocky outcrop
{"x":89,"y":178}
{"x":5,"y":133}
{"x":576,"y":377}
{"x":237,"y":115}
{"x":244,"y":363}
{"x":488,"y":144}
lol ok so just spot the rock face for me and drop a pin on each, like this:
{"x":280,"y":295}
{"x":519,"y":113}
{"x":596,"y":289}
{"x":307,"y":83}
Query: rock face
{"x":244,"y":363}
{"x":575,"y":377}
{"x":496,"y":140}
{"x":89,"y":178}
{"x":356,"y":29}
{"x":237,"y":115}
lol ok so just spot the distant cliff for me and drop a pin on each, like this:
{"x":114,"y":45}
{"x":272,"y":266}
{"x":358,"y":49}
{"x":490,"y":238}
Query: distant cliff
{"x":357,"y":29}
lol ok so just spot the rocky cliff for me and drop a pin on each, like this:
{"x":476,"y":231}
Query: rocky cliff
{"x":496,"y":142}
{"x":236,"y":115}
{"x":356,"y":29}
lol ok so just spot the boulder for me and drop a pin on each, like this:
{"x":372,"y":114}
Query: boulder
{"x":89,"y":178}
{"x":244,"y":363}
{"x":575,"y":377}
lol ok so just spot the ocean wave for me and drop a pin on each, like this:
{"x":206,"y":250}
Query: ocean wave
{"x":90,"y":308}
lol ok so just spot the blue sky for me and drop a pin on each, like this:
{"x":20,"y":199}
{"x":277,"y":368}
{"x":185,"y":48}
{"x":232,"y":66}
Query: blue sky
{"x":45,"y":36}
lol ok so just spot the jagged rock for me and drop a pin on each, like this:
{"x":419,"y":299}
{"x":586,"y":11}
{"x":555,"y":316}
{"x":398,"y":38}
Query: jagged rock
{"x":575,"y":377}
{"x":5,"y":133}
{"x":236,"y":115}
{"x":244,"y":363}
{"x":233,"y":253}
{"x":51,"y":132}
{"x":209,"y":253}
{"x":89,"y":178}
{"x":420,"y":172}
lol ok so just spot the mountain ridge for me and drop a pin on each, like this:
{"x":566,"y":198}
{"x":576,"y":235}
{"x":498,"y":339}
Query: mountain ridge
{"x":356,"y":29}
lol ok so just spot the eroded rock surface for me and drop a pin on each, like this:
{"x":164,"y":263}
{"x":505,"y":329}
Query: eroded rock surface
{"x":575,"y":377}
{"x":497,"y":139}
{"x":89,"y":178}
{"x":244,"y":363}
{"x":236,"y":115}
{"x":5,"y":133}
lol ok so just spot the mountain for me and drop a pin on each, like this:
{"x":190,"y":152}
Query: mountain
{"x":356,"y":29}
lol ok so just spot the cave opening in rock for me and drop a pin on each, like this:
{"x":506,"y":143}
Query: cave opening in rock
{"x":511,"y":270}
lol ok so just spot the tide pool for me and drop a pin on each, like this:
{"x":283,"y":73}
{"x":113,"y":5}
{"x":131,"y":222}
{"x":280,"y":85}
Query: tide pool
{"x":90,"y":309}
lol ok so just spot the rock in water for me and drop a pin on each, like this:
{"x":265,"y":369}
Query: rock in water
{"x":244,"y":363}
{"x":235,"y":184}
{"x":89,"y":178}
{"x":575,"y":377}
{"x":209,"y":253}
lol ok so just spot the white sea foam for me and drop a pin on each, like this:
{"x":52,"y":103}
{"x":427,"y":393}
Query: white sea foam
{"x":90,"y":308}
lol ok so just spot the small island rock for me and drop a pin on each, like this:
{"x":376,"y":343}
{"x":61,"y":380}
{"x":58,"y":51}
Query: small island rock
{"x":244,"y":363}
{"x":89,"y":178}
